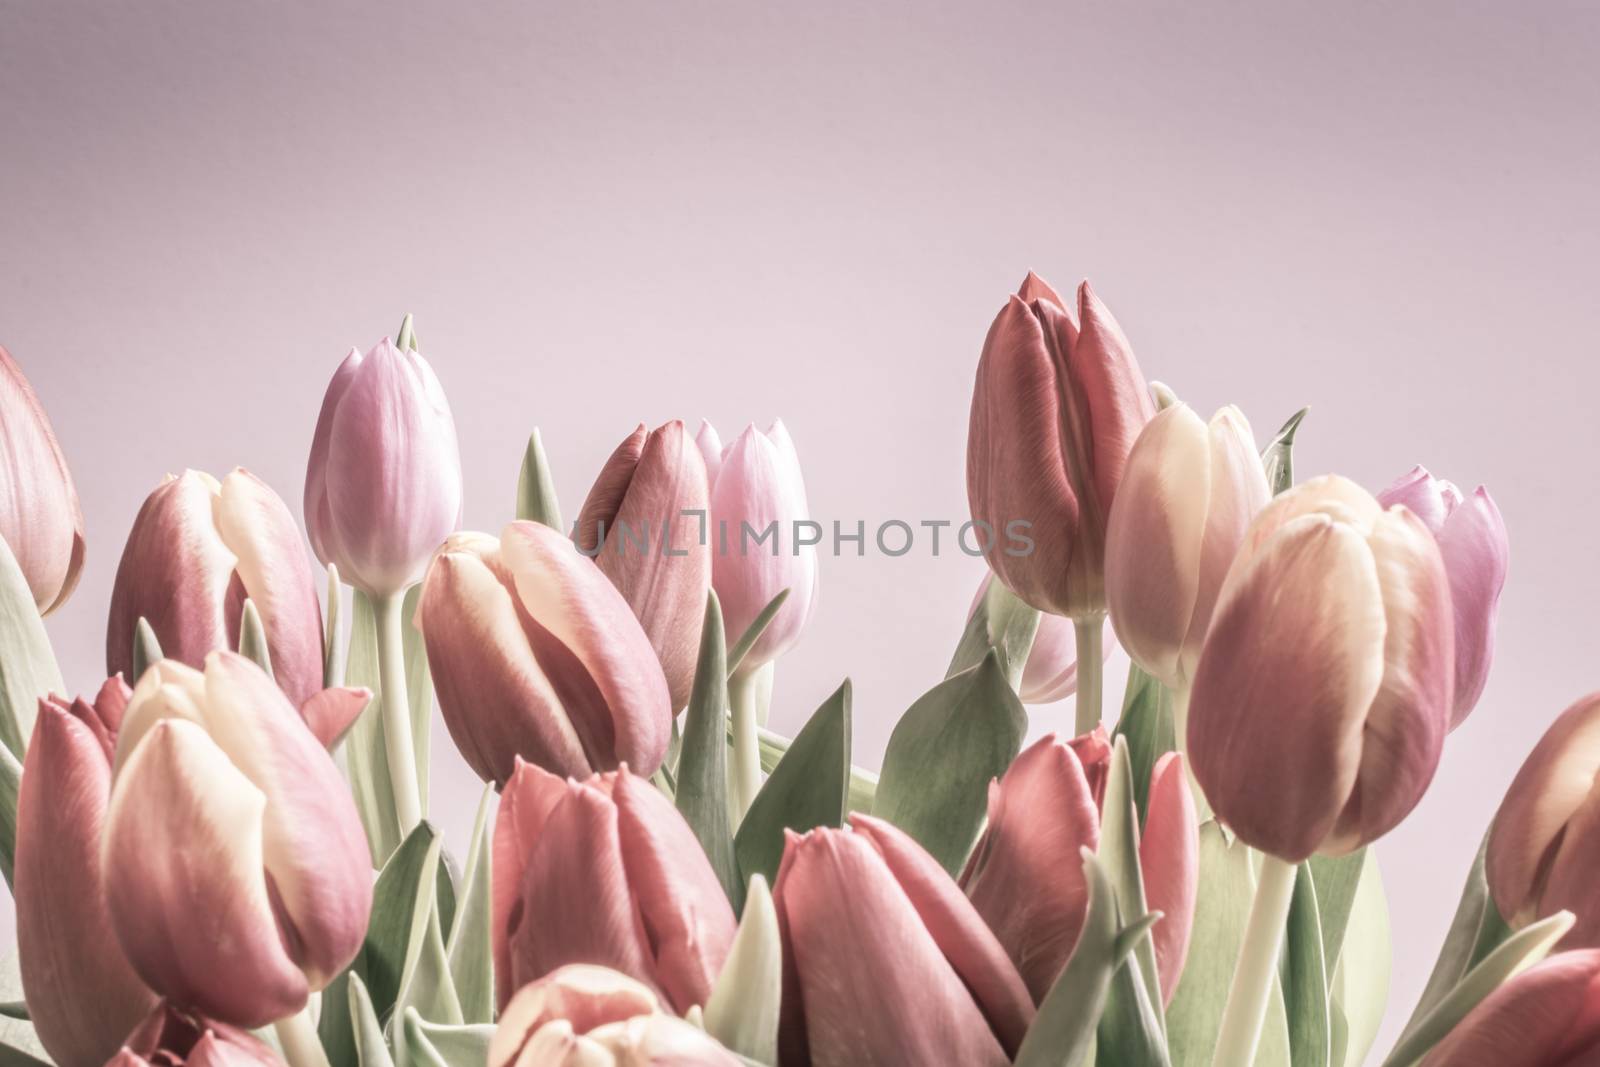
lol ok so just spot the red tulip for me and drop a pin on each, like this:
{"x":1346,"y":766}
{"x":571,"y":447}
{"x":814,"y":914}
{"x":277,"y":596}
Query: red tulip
{"x":1056,"y":408}
{"x":1169,"y":856}
{"x":1323,"y":692}
{"x":646,"y":524}
{"x":82,"y":995}
{"x":885,"y":962}
{"x":604,"y":871}
{"x":197,"y":550}
{"x":40,"y":518}
{"x":1547,"y":1016}
{"x":171,"y":1037}
{"x":535,"y":654}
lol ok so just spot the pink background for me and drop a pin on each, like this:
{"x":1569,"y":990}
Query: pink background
{"x":603,"y":213}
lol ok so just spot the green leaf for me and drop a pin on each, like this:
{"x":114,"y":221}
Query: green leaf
{"x":368,"y":1048}
{"x":1001,"y":622}
{"x":253,"y":637}
{"x":1335,"y":879}
{"x":701,"y":787}
{"x":419,"y":690}
{"x":945,"y":750}
{"x":10,"y":788}
{"x":1360,"y":987}
{"x":457,"y":1046}
{"x":806,"y":789}
{"x":1519,"y":952}
{"x":15,"y":1009}
{"x":1304,"y":978}
{"x":1146,"y":724}
{"x":1277,"y":459}
{"x":366,"y":757}
{"x":863,"y":783}
{"x":28,"y":668}
{"x":470,"y":948}
{"x":1119,"y":851}
{"x":753,"y":632}
{"x":333,"y":650}
{"x":15,"y":1057}
{"x":1130,"y":1025}
{"x":426,"y":987}
{"x":536,"y":487}
{"x":743,"y":1010}
{"x":146,"y":649}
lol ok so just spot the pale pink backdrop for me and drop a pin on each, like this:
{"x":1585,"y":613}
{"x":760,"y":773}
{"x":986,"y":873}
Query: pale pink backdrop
{"x":605,"y":212}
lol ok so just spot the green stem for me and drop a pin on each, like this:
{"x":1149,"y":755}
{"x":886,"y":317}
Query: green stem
{"x":301,"y":1046}
{"x":397,"y":710}
{"x":1258,"y":965}
{"x":1090,"y":669}
{"x":743,"y":697}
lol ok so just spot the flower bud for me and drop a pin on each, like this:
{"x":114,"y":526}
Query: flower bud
{"x":1056,"y":407}
{"x":40,"y":518}
{"x":1547,"y":1016}
{"x":534,"y":654}
{"x":172,"y":1037}
{"x":1188,"y":494}
{"x":1323,"y":692}
{"x":383,"y":486}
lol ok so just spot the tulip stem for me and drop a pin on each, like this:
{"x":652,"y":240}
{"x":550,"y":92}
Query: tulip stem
{"x":301,"y":1046}
{"x":1258,"y":965}
{"x":1089,"y":672}
{"x":744,"y":690}
{"x":397,"y":739}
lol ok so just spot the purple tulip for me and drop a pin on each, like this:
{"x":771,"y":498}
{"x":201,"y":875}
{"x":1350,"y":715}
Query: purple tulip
{"x":40,"y":519}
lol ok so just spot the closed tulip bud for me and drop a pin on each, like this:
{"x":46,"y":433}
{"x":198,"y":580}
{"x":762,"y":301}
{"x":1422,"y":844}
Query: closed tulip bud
{"x":606,"y":872}
{"x":383,"y":487}
{"x":885,"y":962}
{"x":535,"y":654}
{"x":1472,"y":540}
{"x":1324,"y":690}
{"x":1057,"y":405}
{"x":1051,"y":673}
{"x":1187,"y":496}
{"x":762,"y":538}
{"x":220,"y":765}
{"x":1547,"y":1016}
{"x":1544,"y":847}
{"x":40,"y":518}
{"x":645,"y":523}
{"x":172,"y":1037}
{"x":197,"y":551}
{"x":82,"y":995}
{"x":587,"y":1016}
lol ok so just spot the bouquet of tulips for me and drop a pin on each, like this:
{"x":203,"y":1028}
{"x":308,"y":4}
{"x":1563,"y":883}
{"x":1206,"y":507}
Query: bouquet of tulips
{"x":220,"y":854}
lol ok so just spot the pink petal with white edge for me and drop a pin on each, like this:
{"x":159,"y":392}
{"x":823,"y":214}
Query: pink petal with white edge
{"x":582,"y":995}
{"x":1169,"y":856}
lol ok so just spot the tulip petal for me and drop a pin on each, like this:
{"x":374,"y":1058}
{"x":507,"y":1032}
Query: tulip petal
{"x":529,"y":797}
{"x":1430,"y":498}
{"x":1548,"y":1015}
{"x":168,"y":690}
{"x":1034,"y":288}
{"x":597,"y":516}
{"x":318,"y":509}
{"x":1474,"y":546}
{"x":172,"y":1036}
{"x":1329,"y":494}
{"x":1169,"y":856}
{"x":710,"y":446}
{"x":41,"y":519}
{"x":1238,"y":492}
{"x":1117,"y":402}
{"x":582,"y":995}
{"x":330,"y":713}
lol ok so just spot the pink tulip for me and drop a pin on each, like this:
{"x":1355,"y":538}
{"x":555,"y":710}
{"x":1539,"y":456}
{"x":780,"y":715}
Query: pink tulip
{"x":1547,"y":1016}
{"x":1187,"y":496}
{"x":1544,"y":846}
{"x":82,"y":995}
{"x":171,"y":1037}
{"x":884,"y":961}
{"x":383,"y":487}
{"x":220,"y":766}
{"x":1056,"y":408}
{"x":197,"y":550}
{"x":1323,"y":693}
{"x":40,"y":519}
{"x":586,"y":1016}
{"x":1472,"y":540}
{"x":535,"y":654}
{"x":606,"y":872}
{"x":756,"y":484}
{"x":1051,"y":673}
{"x":1020,"y":877}
{"x":645,"y":524}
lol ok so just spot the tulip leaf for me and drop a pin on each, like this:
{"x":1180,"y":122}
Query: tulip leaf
{"x":1129,"y":1030}
{"x":426,"y":986}
{"x":1516,"y":954}
{"x":1227,"y":885}
{"x":1001,"y":622}
{"x":15,"y":1009}
{"x":28,"y":667}
{"x":752,"y":633}
{"x":1277,"y":459}
{"x":1119,"y":851}
{"x":470,"y":948}
{"x":536,"y":487}
{"x":743,"y":1010}
{"x":412,"y":1045}
{"x":701,"y":786}
{"x":808,"y":788}
{"x":10,"y":790}
{"x":333,"y":650}
{"x":366,"y":756}
{"x":453,"y":1045}
{"x":1360,"y":987}
{"x":419,"y":690}
{"x":863,"y":783}
{"x":1146,"y":724}
{"x":15,"y":1057}
{"x":368,"y":1047}
{"x":146,"y":649}
{"x":1336,"y":879}
{"x":253,"y":637}
{"x":945,"y":750}
{"x":1304,"y":978}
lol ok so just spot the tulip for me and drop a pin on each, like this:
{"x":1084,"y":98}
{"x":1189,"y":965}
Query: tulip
{"x":40,"y":519}
{"x":1056,"y":407}
{"x":82,"y":995}
{"x":1051,"y":673}
{"x":536,"y":655}
{"x":1187,"y":495}
{"x":383,"y":486}
{"x":653,"y":489}
{"x":586,"y":1016}
{"x":1472,"y":540}
{"x":171,"y":1037}
{"x":197,"y":550}
{"x":885,"y":962}
{"x":1547,"y":1016}
{"x":1020,"y":878}
{"x":1544,"y":846}
{"x":604,"y":871}
{"x":220,"y":766}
